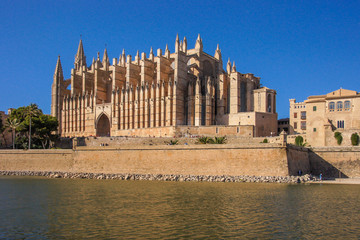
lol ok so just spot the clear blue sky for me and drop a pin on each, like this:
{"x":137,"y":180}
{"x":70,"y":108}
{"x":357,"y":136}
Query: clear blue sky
{"x":298,"y":48}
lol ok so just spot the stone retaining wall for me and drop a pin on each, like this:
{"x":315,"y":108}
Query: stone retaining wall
{"x":263,"y":160}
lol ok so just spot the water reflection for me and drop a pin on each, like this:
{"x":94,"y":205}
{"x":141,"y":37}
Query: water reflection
{"x":66,"y":208}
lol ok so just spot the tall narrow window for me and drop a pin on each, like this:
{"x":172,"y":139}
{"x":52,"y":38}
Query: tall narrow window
{"x":269,"y":103}
{"x":339,"y":106}
{"x":295,"y":115}
{"x":331,"y":106}
{"x":303,"y":125}
{"x":347,"y":105}
{"x":295,"y":125}
{"x":340,"y":124}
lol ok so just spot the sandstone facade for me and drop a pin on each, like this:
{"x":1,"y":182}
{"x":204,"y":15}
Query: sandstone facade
{"x":319,"y":117}
{"x":155,"y":94}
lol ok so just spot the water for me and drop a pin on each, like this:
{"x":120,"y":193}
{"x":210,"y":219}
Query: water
{"x":41,"y":208}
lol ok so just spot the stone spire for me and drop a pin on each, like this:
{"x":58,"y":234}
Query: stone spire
{"x":177,"y":43}
{"x":58,"y":75}
{"x":123,"y":58}
{"x":184,"y":48}
{"x":228,"y":66}
{"x":105,"y":59}
{"x":198,"y":44}
{"x":80,"y":59}
{"x":137,"y":58}
{"x":151,"y":55}
{"x":233,"y":67}
{"x":217,"y":53}
{"x":167,"y":52}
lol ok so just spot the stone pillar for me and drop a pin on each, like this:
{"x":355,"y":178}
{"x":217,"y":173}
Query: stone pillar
{"x":208,"y":102}
{"x":174,"y":109}
{"x":162,"y":104}
{"x":168,"y":105}
{"x":190,"y":104}
{"x":136,"y":107}
{"x":126,"y":108}
{"x":131,"y":107}
{"x":141,"y":107}
{"x":198,"y":100}
{"x":157,"y":105}
{"x":146,"y":106}
{"x":152,"y":106}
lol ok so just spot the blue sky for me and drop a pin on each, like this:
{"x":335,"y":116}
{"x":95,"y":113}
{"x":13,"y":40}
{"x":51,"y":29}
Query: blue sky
{"x":298,"y":48}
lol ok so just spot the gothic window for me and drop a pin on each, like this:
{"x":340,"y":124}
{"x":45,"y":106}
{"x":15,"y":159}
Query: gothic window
{"x":331,"y":106}
{"x":347,"y":105}
{"x":339,"y":106}
{"x":243,"y":107}
{"x":269,"y":103}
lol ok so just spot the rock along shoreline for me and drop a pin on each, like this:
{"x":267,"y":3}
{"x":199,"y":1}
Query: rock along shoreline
{"x":166,"y":177}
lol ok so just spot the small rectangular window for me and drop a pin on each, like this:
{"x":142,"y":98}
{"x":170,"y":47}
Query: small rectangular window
{"x":217,"y":130}
{"x":314,"y":129}
{"x":314,"y":108}
{"x":295,"y":125}
{"x":237,"y":129}
{"x":303,"y":125}
{"x":295,"y":115}
{"x":303,"y":115}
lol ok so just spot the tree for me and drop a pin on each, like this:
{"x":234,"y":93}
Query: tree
{"x":31,"y":111}
{"x":45,"y":126}
{"x":354,"y":139}
{"x":13,"y":124}
{"x":36,"y":130}
{"x":338,"y":137}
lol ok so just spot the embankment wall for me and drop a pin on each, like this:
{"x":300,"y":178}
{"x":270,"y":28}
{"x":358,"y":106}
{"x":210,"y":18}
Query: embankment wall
{"x":335,"y":161}
{"x":264,"y":160}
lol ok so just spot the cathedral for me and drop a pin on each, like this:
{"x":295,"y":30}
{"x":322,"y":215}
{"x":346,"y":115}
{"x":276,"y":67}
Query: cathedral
{"x":161,"y":95}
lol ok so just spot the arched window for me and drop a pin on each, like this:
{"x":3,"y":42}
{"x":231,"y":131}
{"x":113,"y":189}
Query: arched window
{"x":347,"y":105}
{"x":339,"y":106}
{"x":269,"y":103}
{"x":331,"y":106}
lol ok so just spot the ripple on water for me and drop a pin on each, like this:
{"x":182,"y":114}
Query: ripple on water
{"x":38,"y":208}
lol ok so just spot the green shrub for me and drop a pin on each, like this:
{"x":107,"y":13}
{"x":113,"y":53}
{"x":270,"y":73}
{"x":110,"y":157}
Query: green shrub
{"x":174,"y":142}
{"x":338,"y":137}
{"x":216,"y":140}
{"x":265,"y":141}
{"x":354,"y":139}
{"x":220,"y":140}
{"x":203,"y":140}
{"x":299,"y":141}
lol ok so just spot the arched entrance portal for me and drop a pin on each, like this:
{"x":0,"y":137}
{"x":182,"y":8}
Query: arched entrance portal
{"x":103,"y":126}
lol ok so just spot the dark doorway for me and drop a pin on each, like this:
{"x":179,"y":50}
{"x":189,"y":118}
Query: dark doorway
{"x":103,"y":126}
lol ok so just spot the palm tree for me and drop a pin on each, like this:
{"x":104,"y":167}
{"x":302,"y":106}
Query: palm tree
{"x":13,"y":124}
{"x":31,"y":111}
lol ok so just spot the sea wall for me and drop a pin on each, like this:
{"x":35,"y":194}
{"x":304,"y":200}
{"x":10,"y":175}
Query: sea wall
{"x":262,"y":160}
{"x":334,"y":162}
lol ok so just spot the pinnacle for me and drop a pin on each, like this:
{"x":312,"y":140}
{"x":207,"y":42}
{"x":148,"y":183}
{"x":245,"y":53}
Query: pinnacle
{"x":177,"y":37}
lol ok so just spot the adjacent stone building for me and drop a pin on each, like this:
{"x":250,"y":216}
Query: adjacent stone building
{"x":319,"y":117}
{"x":160,"y":95}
